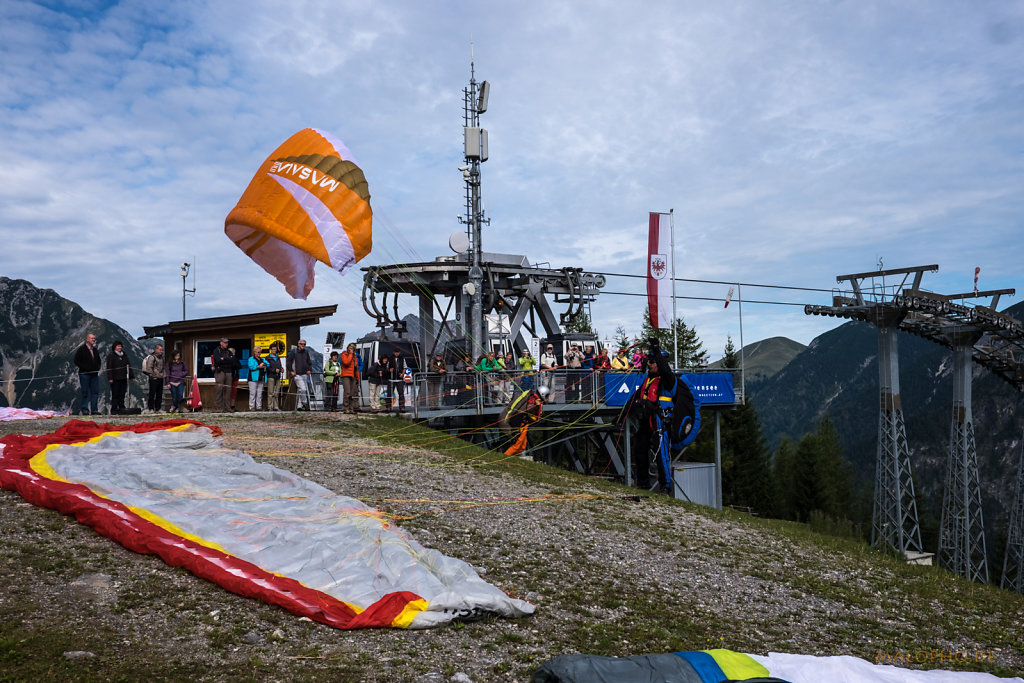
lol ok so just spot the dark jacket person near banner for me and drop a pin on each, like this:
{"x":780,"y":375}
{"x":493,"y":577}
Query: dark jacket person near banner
{"x":644,"y":406}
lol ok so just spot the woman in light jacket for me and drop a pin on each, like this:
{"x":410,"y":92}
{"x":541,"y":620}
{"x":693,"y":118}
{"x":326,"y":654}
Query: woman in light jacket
{"x":257,"y":378}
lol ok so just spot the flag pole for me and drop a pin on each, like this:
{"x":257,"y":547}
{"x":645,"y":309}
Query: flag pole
{"x":672,"y":246}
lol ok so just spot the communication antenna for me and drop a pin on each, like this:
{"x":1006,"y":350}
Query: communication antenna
{"x":475,"y":152}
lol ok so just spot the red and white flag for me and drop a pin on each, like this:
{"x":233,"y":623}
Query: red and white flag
{"x":659,"y":271}
{"x":977,"y":271}
{"x":728,"y":297}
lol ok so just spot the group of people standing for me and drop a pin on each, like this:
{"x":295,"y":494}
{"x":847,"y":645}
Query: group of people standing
{"x":341,"y":375}
{"x":119,"y":372}
{"x":388,"y":373}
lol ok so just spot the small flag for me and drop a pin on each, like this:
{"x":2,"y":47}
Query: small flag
{"x":728,"y":297}
{"x":659,"y":270}
{"x":977,"y":270}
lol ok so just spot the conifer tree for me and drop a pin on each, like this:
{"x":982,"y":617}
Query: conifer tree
{"x":806,"y":478}
{"x":580,"y":323}
{"x":746,"y":472}
{"x":621,"y":339}
{"x":784,"y":475}
{"x":835,"y":476}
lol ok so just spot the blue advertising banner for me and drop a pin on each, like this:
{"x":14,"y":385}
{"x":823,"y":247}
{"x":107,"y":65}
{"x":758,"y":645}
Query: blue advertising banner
{"x":709,"y":387}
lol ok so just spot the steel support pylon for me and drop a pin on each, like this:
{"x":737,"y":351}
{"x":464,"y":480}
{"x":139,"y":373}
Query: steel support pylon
{"x":894,"y":517}
{"x":962,"y":531}
{"x":1013,"y":561}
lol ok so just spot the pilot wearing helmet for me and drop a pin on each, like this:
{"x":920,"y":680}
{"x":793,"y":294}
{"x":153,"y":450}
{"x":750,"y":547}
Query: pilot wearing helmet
{"x":521,"y":412}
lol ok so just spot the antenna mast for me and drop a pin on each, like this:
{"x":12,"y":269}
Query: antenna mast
{"x":474,"y":103}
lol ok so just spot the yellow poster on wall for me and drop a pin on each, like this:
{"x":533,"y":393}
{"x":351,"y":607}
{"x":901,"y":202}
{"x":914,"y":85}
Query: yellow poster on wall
{"x":265,"y":340}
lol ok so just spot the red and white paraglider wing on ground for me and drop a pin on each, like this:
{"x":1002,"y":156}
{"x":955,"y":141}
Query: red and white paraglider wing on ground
{"x":173,"y":490}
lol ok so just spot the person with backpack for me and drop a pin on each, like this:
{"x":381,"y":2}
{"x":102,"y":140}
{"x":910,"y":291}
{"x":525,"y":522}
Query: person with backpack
{"x":667,"y":414}
{"x":519,"y":414}
{"x":153,"y":368}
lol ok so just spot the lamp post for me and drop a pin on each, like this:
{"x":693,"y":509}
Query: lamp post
{"x":184,"y":290}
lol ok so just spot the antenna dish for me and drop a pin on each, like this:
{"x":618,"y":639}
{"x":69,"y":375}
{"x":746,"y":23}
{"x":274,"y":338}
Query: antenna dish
{"x":458,"y":242}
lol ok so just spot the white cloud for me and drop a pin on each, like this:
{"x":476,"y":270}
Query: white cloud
{"x":795,"y":143}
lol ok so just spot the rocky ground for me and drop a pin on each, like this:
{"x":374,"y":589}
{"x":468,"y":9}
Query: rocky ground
{"x":609,"y":574}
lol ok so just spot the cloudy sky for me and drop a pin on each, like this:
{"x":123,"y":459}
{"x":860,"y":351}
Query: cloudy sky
{"x":795,"y":141}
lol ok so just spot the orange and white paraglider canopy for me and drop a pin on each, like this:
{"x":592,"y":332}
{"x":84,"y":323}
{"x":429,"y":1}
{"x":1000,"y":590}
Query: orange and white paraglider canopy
{"x":308,"y":202}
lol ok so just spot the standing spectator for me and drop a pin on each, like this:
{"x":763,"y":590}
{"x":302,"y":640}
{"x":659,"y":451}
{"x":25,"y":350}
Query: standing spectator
{"x":438,"y":372}
{"x":621,"y":361}
{"x":153,"y":368}
{"x":588,"y":358}
{"x":236,"y":367}
{"x":300,"y":368}
{"x":378,"y":376}
{"x":548,"y":363}
{"x":119,"y":372}
{"x":602,"y":362}
{"x":257,"y":378}
{"x":574,"y":380}
{"x":274,"y":372}
{"x":398,"y":366}
{"x":350,"y":378}
{"x":488,"y":366}
{"x":437,"y":365}
{"x":332,"y":368}
{"x":87,"y":359}
{"x":176,"y":374}
{"x":508,"y":366}
{"x":526,"y":366}
{"x":223,"y":368}
{"x":639,"y":359}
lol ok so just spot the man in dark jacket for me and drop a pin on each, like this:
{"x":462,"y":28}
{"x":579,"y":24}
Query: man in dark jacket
{"x":223,"y":371}
{"x":119,"y":373}
{"x":87,"y":359}
{"x":300,"y":369}
{"x":378,"y":376}
{"x":398,"y":379}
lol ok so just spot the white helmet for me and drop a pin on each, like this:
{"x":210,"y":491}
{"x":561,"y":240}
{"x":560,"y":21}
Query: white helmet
{"x":543,"y":391}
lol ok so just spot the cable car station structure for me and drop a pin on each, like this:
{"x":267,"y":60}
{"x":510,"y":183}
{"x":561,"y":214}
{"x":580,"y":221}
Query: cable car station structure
{"x":976,"y":334}
{"x":463,"y":290}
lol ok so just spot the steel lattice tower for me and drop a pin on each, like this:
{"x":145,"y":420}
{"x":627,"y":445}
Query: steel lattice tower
{"x":962,"y":532}
{"x":1013,"y":562}
{"x":894,"y":517}
{"x":976,"y":333}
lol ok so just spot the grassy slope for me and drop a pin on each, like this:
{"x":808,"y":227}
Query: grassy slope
{"x":701,"y":578}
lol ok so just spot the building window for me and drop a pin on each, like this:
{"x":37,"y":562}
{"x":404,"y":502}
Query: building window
{"x":204,"y":350}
